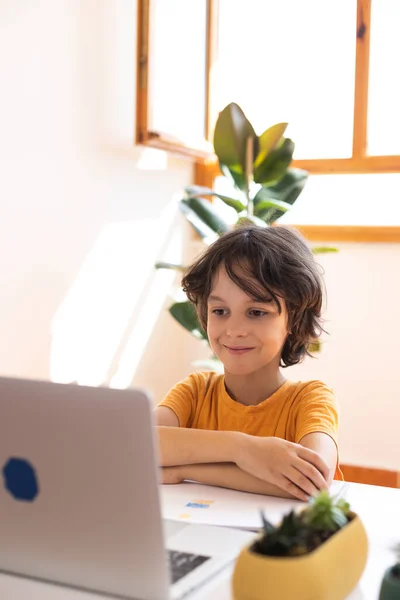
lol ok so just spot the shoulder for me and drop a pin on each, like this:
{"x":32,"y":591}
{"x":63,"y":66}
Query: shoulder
{"x":312,"y":389}
{"x":314,"y":396}
{"x":315,"y":409}
{"x":190,"y":393}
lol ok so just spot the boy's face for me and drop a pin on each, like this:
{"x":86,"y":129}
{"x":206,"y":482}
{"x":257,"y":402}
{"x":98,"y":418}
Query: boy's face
{"x":246,"y":335}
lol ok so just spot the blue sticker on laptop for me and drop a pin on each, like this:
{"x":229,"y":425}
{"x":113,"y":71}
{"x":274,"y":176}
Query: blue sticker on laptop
{"x":20,"y":479}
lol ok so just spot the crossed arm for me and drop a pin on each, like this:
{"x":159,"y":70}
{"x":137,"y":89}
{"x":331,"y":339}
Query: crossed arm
{"x":270,"y":466}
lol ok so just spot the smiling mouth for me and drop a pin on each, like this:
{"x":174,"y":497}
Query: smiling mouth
{"x":238,"y":349}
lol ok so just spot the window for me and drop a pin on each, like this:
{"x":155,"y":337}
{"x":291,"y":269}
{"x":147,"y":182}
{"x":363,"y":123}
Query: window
{"x":328,"y":68}
{"x":384,"y":86}
{"x":172,"y":87}
{"x":280,"y":65}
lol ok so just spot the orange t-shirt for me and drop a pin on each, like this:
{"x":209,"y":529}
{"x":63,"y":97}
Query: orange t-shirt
{"x":293,"y":411}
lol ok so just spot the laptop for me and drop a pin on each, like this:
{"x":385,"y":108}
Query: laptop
{"x":79,"y":496}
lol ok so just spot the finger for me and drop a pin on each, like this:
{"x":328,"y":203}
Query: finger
{"x":315,"y":459}
{"x":289,"y":486}
{"x":310,"y":472}
{"x":302,"y":481}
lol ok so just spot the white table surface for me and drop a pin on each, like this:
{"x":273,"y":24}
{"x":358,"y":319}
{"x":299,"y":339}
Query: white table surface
{"x":378,"y":507}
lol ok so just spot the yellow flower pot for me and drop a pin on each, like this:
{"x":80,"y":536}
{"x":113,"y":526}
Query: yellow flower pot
{"x":329,"y":572}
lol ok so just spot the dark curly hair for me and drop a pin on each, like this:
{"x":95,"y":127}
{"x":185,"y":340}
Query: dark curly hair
{"x":265,"y":262}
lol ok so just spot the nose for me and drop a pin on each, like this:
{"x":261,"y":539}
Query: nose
{"x":235,"y":327}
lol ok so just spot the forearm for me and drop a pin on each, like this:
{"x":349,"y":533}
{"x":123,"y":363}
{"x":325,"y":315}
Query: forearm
{"x":229,"y":475}
{"x":181,"y":446}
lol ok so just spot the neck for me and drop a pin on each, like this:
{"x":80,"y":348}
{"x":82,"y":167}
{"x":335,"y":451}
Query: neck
{"x":254,"y":388}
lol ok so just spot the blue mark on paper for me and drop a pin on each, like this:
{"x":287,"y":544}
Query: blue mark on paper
{"x":20,"y":479}
{"x":197,"y":505}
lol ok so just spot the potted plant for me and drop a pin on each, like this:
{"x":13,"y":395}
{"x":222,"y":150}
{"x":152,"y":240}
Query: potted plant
{"x":318,"y":553}
{"x":390,"y":588}
{"x":263,"y":186}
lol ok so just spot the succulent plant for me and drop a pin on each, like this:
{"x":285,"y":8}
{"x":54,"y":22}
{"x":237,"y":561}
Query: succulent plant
{"x":300,"y":533}
{"x":325,"y":512}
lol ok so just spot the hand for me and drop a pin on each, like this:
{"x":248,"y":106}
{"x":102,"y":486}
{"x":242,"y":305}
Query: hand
{"x":171,"y":475}
{"x":292,"y":467}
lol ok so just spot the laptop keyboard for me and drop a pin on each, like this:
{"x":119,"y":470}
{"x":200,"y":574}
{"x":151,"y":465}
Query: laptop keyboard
{"x":182,"y":563}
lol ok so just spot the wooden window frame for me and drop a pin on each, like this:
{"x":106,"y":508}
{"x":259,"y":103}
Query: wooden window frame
{"x":144,"y":135}
{"x":206,"y":165}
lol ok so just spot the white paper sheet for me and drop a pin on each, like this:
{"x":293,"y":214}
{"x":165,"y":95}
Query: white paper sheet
{"x":196,"y":503}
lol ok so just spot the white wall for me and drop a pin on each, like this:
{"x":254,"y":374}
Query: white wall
{"x":80,"y":206}
{"x":80,"y":229}
{"x":360,"y":357}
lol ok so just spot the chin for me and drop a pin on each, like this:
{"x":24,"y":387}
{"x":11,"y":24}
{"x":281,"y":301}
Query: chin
{"x":239,"y":369}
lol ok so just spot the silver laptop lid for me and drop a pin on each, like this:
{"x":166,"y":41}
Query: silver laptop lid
{"x":79,"y":500}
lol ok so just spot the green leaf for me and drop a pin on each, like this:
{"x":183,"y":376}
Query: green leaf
{"x":324,"y":249}
{"x":236,"y":204}
{"x":287,"y":190}
{"x":269,"y":140}
{"x":185,"y":314}
{"x":172,"y":266}
{"x":343,"y":505}
{"x":207,"y":213}
{"x":235,"y":174}
{"x":275,"y":164}
{"x":250,"y":220}
{"x":323,"y":513}
{"x":264,"y":201}
{"x":199,"y":190}
{"x":269,"y":214}
{"x":268,"y":527}
{"x":290,"y":525}
{"x":232,"y":130}
{"x":202,"y":229}
{"x":290,"y":186}
{"x":265,"y":205}
{"x":338,"y":517}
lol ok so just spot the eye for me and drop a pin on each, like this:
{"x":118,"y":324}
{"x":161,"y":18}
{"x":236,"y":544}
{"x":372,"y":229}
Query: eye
{"x":219,"y":312}
{"x":255,"y":312}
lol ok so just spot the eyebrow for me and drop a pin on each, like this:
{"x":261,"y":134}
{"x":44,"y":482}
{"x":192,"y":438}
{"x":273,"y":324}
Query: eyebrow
{"x":214,"y":298}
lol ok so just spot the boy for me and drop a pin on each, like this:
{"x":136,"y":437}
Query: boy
{"x":258,"y":294}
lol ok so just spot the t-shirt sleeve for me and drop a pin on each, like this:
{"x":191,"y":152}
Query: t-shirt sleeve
{"x":317,"y":411}
{"x":182,"y":399}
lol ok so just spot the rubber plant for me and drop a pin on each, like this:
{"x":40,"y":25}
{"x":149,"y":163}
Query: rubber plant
{"x":264,"y":187}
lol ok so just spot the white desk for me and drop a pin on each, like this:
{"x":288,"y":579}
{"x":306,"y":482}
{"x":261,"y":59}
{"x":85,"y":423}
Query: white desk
{"x":378,"y":507}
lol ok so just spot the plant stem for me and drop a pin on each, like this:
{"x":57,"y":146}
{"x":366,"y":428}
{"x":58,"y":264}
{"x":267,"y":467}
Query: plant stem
{"x":248,"y":174}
